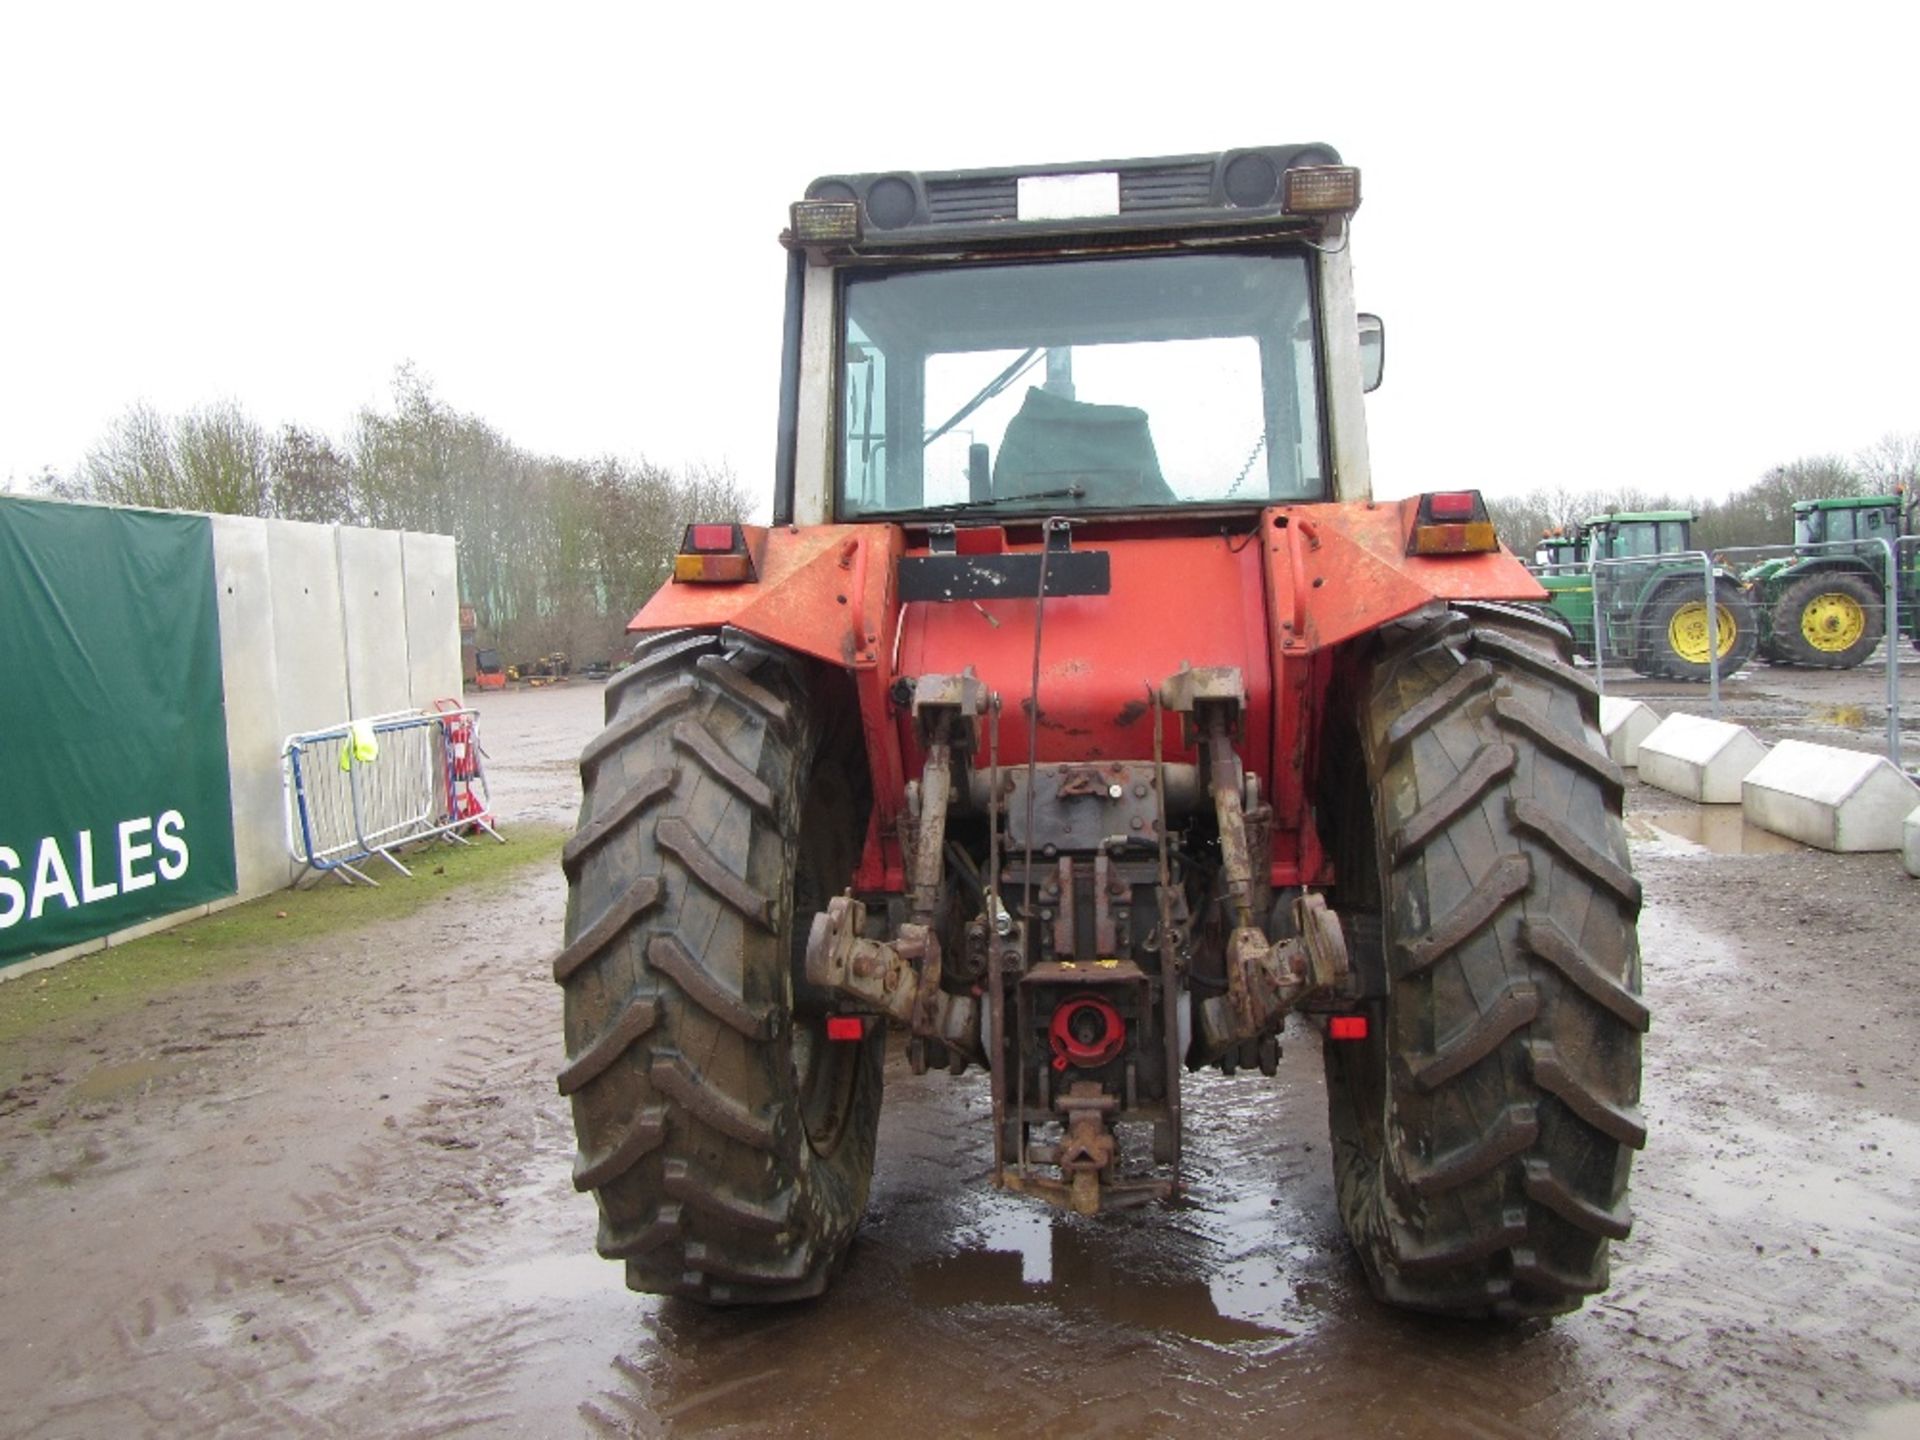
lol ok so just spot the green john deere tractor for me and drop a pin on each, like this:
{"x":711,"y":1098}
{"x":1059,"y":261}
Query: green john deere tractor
{"x":1824,"y":607}
{"x":1655,"y":601}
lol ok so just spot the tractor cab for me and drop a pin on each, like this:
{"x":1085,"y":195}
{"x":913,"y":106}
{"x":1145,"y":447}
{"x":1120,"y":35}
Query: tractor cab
{"x":1869,"y":518}
{"x":1632,"y":535}
{"x":1559,"y":549}
{"x":1012,"y":346}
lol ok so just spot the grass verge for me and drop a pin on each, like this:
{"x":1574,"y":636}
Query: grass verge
{"x":117,"y":978}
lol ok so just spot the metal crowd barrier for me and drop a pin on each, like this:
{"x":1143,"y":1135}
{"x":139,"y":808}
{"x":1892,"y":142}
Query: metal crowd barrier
{"x":1602,"y":573}
{"x":1890,"y":600}
{"x":427,"y":778}
{"x":1901,"y":556}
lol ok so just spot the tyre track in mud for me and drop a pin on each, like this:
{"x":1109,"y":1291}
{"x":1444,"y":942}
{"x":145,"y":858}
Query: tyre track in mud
{"x":313,"y":1248}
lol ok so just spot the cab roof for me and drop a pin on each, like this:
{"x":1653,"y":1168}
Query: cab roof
{"x":1620,"y":515}
{"x":1224,"y":190}
{"x":1846,"y":502}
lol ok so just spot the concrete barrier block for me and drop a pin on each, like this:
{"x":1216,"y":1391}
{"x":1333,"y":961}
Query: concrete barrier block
{"x":1834,"y":799}
{"x":1700,"y":759}
{"x":1624,"y":724}
{"x":1910,"y":849}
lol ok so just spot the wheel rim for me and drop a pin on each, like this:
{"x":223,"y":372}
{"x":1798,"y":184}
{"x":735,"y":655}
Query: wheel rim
{"x":1833,"y":622}
{"x":1687,"y":632}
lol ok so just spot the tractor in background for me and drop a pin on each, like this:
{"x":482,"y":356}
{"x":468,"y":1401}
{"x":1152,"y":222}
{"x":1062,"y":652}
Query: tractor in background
{"x":1655,"y":603}
{"x":1825,"y":608}
{"x":1081,"y":718}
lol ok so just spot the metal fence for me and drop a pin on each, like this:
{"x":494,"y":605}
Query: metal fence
{"x":1619,"y":581}
{"x":363,"y":789}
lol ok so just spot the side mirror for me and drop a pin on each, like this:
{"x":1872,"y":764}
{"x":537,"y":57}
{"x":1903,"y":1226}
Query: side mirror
{"x":1373,"y":351}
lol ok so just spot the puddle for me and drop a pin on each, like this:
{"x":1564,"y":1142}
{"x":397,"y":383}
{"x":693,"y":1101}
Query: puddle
{"x":1712,"y":829}
{"x":1076,"y":1269}
{"x":109,"y":1080}
{"x":1850,"y":717}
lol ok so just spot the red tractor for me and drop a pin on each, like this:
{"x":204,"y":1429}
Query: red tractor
{"x":1082,"y":716}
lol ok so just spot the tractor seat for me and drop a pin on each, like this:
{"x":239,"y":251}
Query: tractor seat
{"x":1055,"y":442}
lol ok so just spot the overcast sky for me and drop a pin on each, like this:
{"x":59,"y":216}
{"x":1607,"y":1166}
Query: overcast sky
{"x":1666,"y":244}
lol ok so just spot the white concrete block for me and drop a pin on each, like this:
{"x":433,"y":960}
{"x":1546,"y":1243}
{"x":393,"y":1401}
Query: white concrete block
{"x":1700,"y":759}
{"x":309,"y":634}
{"x":1910,"y":849}
{"x":244,"y":590}
{"x":373,"y":595}
{"x":433,"y":618}
{"x":1835,"y":799}
{"x":1625,"y":723}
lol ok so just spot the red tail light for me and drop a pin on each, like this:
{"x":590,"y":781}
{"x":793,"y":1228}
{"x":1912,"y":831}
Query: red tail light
{"x":709,"y":538}
{"x":1347,"y":1027}
{"x":1452,"y":505}
{"x":846,"y":1027}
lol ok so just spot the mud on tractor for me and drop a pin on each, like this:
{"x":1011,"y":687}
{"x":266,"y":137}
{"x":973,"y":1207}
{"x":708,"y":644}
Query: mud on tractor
{"x":1081,"y":717}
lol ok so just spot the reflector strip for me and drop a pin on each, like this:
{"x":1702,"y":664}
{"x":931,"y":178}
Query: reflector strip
{"x":712,"y":569}
{"x":1476,"y":538}
{"x":846,"y":1027}
{"x":1347,"y":1027}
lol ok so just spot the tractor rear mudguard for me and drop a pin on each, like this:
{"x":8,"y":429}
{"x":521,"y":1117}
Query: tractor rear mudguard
{"x":1270,"y":600}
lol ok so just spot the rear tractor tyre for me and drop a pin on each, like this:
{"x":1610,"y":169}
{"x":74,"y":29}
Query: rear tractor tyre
{"x":1828,"y":622}
{"x":729,"y":1145}
{"x":1484,"y":1130}
{"x":1677,"y":641}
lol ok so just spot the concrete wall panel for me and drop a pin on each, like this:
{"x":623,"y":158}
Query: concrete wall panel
{"x":373,"y":592}
{"x":309,"y":644}
{"x":433,"y":617}
{"x":247,"y":667}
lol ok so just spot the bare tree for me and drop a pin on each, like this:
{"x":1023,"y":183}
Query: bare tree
{"x":1892,"y":462}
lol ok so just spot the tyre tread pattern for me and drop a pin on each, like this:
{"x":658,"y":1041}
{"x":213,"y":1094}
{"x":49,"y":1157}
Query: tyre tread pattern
{"x":669,"y":957}
{"x":676,"y":971}
{"x":643,"y":895}
{"x":1490,"y":763}
{"x":1518,"y":1007}
{"x":637,"y":1019}
{"x":1482,"y":1138}
{"x":1602,"y":870}
{"x":652,"y":787}
{"x":675,"y":835}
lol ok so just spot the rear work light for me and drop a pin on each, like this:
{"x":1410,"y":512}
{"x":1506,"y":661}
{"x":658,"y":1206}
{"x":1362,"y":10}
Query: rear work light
{"x":1321,"y":190}
{"x":1346,"y":1027}
{"x":713,"y":555}
{"x":1452,"y":522}
{"x":826,"y":222}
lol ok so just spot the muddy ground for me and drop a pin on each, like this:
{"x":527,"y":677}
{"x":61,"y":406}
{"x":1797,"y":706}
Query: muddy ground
{"x":330,"y":1196}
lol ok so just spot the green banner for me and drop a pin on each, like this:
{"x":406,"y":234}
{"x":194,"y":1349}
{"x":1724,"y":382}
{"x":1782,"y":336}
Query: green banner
{"x":114,"y":803}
